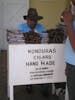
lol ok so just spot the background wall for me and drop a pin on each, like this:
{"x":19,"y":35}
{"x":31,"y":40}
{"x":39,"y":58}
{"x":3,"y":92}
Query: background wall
{"x":11,"y":12}
{"x":50,"y":9}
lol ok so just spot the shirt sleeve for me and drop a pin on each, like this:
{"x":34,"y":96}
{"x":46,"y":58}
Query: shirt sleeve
{"x":20,"y":28}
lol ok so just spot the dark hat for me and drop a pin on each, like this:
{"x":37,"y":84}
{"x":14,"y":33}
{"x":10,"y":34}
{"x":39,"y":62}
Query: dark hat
{"x":33,"y":15}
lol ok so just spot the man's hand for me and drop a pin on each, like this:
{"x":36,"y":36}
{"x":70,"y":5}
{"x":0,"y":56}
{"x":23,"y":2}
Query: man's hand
{"x":67,"y":17}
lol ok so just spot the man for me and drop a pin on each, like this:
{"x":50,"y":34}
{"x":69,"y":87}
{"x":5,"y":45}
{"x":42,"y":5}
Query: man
{"x":69,"y":20}
{"x":32,"y":25}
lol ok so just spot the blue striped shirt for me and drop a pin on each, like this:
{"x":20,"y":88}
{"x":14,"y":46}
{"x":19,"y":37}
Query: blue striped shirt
{"x":69,"y":55}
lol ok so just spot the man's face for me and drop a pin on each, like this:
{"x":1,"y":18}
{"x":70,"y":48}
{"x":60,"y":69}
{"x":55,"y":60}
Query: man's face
{"x":31,"y":23}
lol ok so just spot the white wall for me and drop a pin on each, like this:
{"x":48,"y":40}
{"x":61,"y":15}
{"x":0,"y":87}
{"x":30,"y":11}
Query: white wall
{"x":11,"y":14}
{"x":1,"y":24}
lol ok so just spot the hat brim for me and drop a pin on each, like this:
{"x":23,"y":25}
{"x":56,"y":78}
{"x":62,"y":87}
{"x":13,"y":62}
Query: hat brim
{"x":36,"y":18}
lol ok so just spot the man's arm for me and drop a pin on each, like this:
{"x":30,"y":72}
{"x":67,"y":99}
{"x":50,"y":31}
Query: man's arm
{"x":68,"y":18}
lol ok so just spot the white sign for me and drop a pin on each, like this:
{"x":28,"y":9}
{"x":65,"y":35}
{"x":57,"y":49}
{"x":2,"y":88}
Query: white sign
{"x":36,"y":63}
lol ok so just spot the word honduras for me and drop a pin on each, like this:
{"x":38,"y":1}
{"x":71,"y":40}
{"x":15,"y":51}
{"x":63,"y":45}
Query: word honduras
{"x":42,"y":51}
